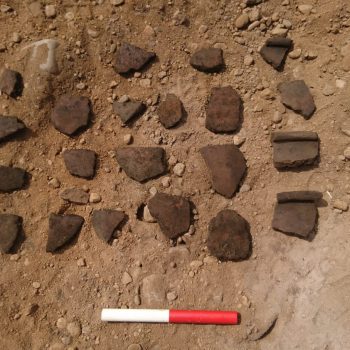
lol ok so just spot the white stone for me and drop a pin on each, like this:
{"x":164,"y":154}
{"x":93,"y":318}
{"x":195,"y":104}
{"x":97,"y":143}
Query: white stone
{"x":123,"y":99}
{"x":166,"y":181}
{"x":147,"y":215}
{"x":179,"y":169}
{"x":50,"y":11}
{"x":153,"y":290}
{"x":127,"y":139}
{"x":278,"y":31}
{"x":248,"y":60}
{"x":81,"y":262}
{"x":94,"y":198}
{"x":340,"y":84}
{"x":126,"y":278}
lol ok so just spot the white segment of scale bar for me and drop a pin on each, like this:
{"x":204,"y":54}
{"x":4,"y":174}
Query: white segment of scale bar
{"x":135,"y":315}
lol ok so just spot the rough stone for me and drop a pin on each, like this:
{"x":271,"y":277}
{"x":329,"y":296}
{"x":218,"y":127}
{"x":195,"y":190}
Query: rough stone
{"x":80,"y":162}
{"x":297,"y":218}
{"x":75,"y":195}
{"x":275,"y":51}
{"x":10,"y":226}
{"x":11,"y":179}
{"x":131,"y":58}
{"x":229,"y":237}
{"x":293,"y":149}
{"x":224,"y":110}
{"x":11,"y":83}
{"x":296,"y":95}
{"x":226,"y":165}
{"x":71,"y":114}
{"x":142,"y":163}
{"x":170,"y":111}
{"x":9,"y":126}
{"x":106,"y":221}
{"x":128,"y":110}
{"x":173,"y":214}
{"x":62,"y":229}
{"x":208,"y":60}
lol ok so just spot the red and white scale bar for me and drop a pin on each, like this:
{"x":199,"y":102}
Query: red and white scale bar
{"x":170,"y":316}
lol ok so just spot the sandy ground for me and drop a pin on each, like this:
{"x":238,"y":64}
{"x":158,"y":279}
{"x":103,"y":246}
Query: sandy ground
{"x":306,"y":284}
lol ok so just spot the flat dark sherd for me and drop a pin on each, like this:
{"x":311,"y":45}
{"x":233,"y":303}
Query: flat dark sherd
{"x":173,"y":214}
{"x":170,"y":111}
{"x":224,"y":110}
{"x":80,"y":162}
{"x":128,"y":110}
{"x":11,"y":179}
{"x":75,"y":195}
{"x":131,"y":58}
{"x":275,"y":51}
{"x":229,"y":237}
{"x":299,"y":196}
{"x":105,"y":222}
{"x":11,"y":83}
{"x":71,"y":114}
{"x":9,"y":126}
{"x":296,"y":95}
{"x":142,"y":163}
{"x":226,"y":166}
{"x":296,"y":213}
{"x":62,"y":229}
{"x":293,"y":149}
{"x":208,"y":60}
{"x":10,"y":226}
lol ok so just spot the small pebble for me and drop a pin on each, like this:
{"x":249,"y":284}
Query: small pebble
{"x":179,"y":169}
{"x":54,"y":183}
{"x":248,"y":60}
{"x":127,"y":139}
{"x":166,"y":181}
{"x":95,"y":198}
{"x":16,"y":38}
{"x":36,"y":285}
{"x":134,"y":347}
{"x":347,"y":153}
{"x":74,"y":328}
{"x":50,"y":11}
{"x":81,"y":262}
{"x":126,"y":278}
{"x":277,"y":117}
{"x":242,"y":21}
{"x":296,"y":53}
{"x":341,"y":205}
{"x":171,"y":296}
{"x":61,"y":323}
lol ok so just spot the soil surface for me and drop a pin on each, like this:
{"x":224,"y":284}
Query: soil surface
{"x":54,"y":300}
